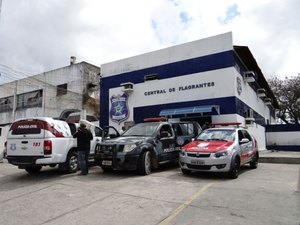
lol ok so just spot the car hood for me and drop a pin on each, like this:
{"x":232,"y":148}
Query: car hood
{"x":207,"y":146}
{"x":126,"y":140}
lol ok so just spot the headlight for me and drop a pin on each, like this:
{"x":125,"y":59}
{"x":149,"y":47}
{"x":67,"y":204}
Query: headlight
{"x":129,"y":148}
{"x":220,"y":154}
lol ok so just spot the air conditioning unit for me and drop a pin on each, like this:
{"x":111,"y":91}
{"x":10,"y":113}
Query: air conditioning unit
{"x":249,"y":114}
{"x":249,"y":118}
{"x":249,"y":76}
{"x":127,"y":87}
{"x":268,"y":101}
{"x":261,"y":92}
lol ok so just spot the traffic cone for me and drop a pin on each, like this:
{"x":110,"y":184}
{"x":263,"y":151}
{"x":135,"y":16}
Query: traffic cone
{"x":298,"y":187}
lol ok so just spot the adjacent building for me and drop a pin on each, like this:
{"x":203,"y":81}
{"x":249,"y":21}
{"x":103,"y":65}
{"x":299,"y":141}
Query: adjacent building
{"x":48,"y":94}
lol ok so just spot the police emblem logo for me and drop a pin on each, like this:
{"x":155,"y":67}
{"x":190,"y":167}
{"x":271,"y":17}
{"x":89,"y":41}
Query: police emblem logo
{"x":239,"y":85}
{"x":119,"y":108}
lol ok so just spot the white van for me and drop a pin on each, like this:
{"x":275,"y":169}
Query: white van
{"x":36,"y":142}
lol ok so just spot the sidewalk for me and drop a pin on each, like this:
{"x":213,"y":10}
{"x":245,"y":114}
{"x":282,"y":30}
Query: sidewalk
{"x":285,"y":157}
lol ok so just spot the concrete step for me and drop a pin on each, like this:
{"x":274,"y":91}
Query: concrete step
{"x":284,"y":157}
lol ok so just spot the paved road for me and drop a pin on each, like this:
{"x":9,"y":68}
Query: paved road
{"x":262,"y":196}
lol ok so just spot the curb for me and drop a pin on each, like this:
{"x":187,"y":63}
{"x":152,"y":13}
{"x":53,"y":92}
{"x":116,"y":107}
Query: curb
{"x":283,"y":160}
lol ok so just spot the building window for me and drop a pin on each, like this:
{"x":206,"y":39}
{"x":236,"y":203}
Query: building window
{"x":6,"y":104}
{"x":61,"y":89}
{"x":30,"y":99}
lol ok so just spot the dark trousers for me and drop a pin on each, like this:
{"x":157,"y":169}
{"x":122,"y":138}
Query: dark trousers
{"x":83,"y":161}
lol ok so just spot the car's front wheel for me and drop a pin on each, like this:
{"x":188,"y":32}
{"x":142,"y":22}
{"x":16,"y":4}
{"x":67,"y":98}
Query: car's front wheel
{"x":106,"y":170}
{"x":145,"y":163}
{"x":185,"y":171}
{"x":234,"y":168}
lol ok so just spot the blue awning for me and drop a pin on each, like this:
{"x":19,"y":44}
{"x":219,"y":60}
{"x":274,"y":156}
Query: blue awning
{"x":207,"y":109}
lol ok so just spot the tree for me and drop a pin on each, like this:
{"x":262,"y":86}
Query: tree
{"x":287,"y":93}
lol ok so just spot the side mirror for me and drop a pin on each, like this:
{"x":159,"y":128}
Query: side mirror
{"x":244,"y":140}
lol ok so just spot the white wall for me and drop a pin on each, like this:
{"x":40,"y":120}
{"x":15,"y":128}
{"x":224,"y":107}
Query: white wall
{"x":222,"y":80}
{"x":283,"y":138}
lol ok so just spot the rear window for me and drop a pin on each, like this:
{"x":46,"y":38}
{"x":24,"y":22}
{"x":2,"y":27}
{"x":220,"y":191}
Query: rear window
{"x":26,"y":127}
{"x":26,"y":131}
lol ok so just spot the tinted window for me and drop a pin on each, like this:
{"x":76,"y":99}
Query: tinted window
{"x":247,"y":135}
{"x":72,"y":128}
{"x":26,"y":131}
{"x":142,"y":129}
{"x":241,"y":136}
{"x":98,"y":132}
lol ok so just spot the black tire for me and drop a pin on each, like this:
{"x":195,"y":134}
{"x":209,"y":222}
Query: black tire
{"x":71,"y":164}
{"x":254,"y":162}
{"x":145,"y":163}
{"x":234,"y":168}
{"x":185,"y":171}
{"x":106,"y":170}
{"x":33,"y":169}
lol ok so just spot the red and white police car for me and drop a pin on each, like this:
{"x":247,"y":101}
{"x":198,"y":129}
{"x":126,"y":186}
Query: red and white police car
{"x":220,"y":149}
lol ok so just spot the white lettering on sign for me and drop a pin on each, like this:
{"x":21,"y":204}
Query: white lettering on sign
{"x":180,"y":88}
{"x":156,"y":92}
{"x":26,"y":126}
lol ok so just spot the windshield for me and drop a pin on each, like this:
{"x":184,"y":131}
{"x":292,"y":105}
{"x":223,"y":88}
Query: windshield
{"x":217,"y":135}
{"x":142,"y":129}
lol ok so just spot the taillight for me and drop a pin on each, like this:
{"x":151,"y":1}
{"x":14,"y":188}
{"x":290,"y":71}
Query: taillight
{"x":5,"y":149}
{"x":47,"y":147}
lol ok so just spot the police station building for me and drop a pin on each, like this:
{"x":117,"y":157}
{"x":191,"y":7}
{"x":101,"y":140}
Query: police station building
{"x":208,"y":80}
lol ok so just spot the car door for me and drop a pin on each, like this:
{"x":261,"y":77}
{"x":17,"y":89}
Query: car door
{"x":250,"y":146}
{"x":97,"y":137}
{"x":243,"y":146}
{"x":166,"y":144}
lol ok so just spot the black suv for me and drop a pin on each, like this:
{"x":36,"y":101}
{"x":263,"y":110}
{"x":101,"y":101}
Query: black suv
{"x":145,"y":146}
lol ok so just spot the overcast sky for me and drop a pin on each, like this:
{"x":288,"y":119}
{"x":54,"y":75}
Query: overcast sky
{"x":41,"y":35}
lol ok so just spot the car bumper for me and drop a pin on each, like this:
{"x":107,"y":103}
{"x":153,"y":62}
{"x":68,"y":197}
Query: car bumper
{"x":121,"y":161}
{"x":33,"y":160}
{"x":209,"y":164}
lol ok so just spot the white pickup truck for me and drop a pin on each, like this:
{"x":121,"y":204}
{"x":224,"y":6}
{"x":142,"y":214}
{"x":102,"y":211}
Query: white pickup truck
{"x":42,"y":141}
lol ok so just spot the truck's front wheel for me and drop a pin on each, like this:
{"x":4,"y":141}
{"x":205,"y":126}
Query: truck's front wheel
{"x":145,"y":163}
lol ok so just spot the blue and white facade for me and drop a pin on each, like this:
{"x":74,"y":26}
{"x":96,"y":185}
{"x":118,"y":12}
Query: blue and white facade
{"x":203,"y":80}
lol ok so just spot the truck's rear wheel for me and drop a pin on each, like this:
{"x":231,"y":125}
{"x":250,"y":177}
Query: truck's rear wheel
{"x":145,"y":163}
{"x":33,"y":169}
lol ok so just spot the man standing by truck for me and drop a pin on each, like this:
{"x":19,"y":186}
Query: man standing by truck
{"x":84,"y":137}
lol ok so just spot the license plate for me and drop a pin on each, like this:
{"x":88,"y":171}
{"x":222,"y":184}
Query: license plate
{"x":197,"y":162}
{"x":106,"y":162}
